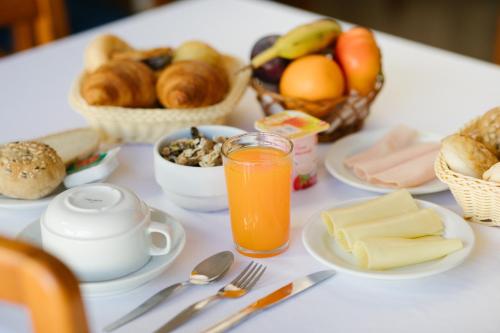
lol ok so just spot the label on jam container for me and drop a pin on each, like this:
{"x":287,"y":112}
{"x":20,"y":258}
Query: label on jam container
{"x":301,"y":128}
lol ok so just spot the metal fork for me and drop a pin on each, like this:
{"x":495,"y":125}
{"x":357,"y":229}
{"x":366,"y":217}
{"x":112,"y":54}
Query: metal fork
{"x":240,"y":286}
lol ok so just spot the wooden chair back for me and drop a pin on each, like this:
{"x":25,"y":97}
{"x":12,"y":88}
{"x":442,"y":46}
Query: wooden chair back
{"x":496,"y":51}
{"x":33,"y":22}
{"x":31,"y":277}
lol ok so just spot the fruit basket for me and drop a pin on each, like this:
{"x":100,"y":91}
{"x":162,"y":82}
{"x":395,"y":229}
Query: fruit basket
{"x":345,"y":114}
{"x":147,"y":125}
{"x":479,"y":199}
{"x":317,"y":68}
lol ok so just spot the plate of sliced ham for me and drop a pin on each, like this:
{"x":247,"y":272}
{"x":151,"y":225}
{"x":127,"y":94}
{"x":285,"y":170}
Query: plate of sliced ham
{"x":385,"y":160}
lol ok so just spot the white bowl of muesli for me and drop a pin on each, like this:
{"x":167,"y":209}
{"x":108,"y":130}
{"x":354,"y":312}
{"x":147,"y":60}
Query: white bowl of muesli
{"x":188,"y":167}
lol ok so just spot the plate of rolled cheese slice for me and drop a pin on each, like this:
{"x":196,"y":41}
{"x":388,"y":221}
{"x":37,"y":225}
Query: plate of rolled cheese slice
{"x":393,"y":236}
{"x":385,"y":160}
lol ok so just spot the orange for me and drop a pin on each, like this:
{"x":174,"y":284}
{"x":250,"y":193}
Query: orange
{"x":312,"y":77}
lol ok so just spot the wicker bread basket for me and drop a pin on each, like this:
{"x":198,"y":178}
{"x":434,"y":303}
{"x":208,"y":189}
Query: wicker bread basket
{"x":148,"y":125}
{"x":479,"y":199}
{"x":345,"y":114}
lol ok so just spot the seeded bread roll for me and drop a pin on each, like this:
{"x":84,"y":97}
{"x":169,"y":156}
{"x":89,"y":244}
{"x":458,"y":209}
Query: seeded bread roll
{"x":29,"y":170}
{"x":467,"y":156}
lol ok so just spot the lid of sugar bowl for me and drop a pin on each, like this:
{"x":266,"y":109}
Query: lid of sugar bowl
{"x":94,"y":211}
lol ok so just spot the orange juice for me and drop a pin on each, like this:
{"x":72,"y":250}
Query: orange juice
{"x":258,"y":182}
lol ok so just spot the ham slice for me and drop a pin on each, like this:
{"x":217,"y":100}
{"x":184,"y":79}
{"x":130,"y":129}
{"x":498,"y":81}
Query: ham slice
{"x":398,"y":138}
{"x":408,"y":174}
{"x":368,"y":169}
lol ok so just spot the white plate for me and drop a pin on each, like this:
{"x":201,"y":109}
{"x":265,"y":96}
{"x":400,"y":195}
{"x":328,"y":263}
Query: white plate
{"x":322,"y":247}
{"x":22,"y":204}
{"x":152,"y":269}
{"x":355,"y":143}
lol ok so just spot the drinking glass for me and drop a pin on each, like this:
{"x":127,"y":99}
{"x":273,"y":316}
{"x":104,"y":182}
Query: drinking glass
{"x":258,"y":170}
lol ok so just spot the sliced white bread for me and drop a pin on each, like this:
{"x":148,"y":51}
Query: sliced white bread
{"x":74,"y":144}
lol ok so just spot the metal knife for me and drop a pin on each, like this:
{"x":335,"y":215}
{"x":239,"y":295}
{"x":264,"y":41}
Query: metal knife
{"x":278,"y":296}
{"x":146,"y":306}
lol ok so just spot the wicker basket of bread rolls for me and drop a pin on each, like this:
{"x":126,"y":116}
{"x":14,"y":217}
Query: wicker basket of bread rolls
{"x":345,"y":114}
{"x":471,"y":168}
{"x":150,"y":91}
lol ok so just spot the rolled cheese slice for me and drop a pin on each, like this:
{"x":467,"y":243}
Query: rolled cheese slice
{"x":423,"y":222}
{"x":392,"y":204}
{"x":381,"y":253}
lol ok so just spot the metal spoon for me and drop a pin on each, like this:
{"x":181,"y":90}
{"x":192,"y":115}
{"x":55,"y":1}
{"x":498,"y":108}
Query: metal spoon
{"x":209,"y":270}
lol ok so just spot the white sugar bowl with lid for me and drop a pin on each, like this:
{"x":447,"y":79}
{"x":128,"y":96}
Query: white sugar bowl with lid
{"x":101,"y":231}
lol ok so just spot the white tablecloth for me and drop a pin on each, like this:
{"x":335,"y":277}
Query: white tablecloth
{"x":427,"y":88}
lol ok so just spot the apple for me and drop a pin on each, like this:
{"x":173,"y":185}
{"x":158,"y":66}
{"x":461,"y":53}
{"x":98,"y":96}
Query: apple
{"x":359,"y":56}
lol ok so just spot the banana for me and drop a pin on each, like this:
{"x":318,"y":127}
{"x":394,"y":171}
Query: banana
{"x":304,"y":39}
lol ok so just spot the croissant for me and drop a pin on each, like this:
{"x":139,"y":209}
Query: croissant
{"x":124,"y":83}
{"x":192,"y":84}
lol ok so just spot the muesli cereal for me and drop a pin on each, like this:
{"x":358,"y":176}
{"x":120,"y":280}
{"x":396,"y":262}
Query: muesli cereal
{"x":198,"y":151}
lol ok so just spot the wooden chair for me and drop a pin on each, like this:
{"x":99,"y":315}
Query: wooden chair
{"x":33,"y":22}
{"x":34,"y":278}
{"x":496,"y":51}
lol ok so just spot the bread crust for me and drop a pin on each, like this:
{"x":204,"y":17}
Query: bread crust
{"x":29,"y":170}
{"x":192,"y":84}
{"x":101,"y":50}
{"x":74,"y":144}
{"x":467,"y":156}
{"x":493,"y":173}
{"x":125,"y":83}
{"x":488,"y":130}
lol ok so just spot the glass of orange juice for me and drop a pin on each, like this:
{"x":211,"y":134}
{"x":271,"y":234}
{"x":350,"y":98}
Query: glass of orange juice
{"x":258,"y":169}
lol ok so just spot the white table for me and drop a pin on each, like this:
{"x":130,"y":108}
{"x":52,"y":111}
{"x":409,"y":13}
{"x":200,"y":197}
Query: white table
{"x":427,"y":88}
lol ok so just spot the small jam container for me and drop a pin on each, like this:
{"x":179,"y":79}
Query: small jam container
{"x":302,"y":129}
{"x":94,"y":169}
{"x":101,"y":231}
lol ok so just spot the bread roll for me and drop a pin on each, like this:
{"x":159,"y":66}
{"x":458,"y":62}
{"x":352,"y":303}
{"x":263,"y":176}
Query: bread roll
{"x":197,"y":50}
{"x":467,"y":156}
{"x":487,"y":130}
{"x":29,"y":170}
{"x":124,"y":83}
{"x":493,"y":173}
{"x":192,"y":84}
{"x":101,"y":50}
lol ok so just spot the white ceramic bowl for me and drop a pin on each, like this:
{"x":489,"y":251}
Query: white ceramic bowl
{"x":193,"y":188}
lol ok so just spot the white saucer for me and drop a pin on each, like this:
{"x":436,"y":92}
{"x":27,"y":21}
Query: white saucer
{"x":22,"y":204}
{"x":355,"y":143}
{"x":322,"y":247}
{"x":152,"y":269}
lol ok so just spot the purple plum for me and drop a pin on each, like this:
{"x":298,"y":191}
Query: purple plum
{"x":272,"y":70}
